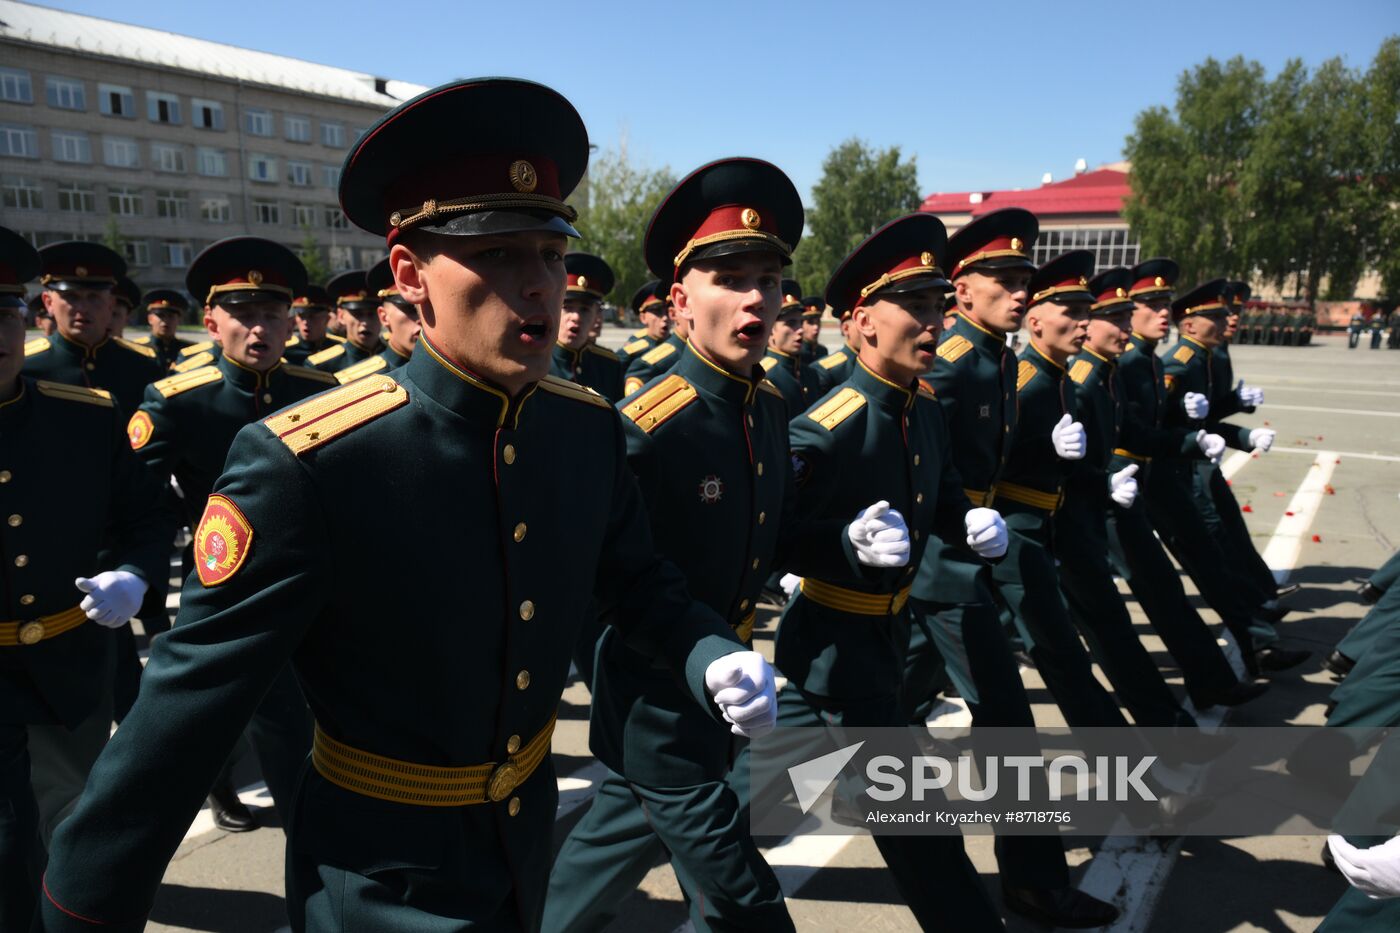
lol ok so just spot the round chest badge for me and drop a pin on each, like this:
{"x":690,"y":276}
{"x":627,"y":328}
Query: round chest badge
{"x":138,"y":430}
{"x":221,"y":541}
{"x":711,"y":489}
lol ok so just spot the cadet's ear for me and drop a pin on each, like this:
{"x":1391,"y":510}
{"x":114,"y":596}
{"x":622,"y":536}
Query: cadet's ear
{"x":408,"y":268}
{"x":863,"y":322}
{"x":211,"y":323}
{"x":680,"y":302}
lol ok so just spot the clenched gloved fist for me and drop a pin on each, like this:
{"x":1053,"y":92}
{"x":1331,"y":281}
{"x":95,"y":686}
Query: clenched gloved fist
{"x":1197,"y":405}
{"x":880,"y":537}
{"x":1122,"y":487}
{"x":1212,"y":445}
{"x":113,"y":597}
{"x":1262,"y":438}
{"x":1374,"y":871}
{"x":788,"y":582}
{"x":743,"y":689}
{"x":1249,"y":396}
{"x":1068,"y":438}
{"x":986,"y":532}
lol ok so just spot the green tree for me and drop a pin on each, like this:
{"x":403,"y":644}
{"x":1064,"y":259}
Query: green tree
{"x":112,"y":237}
{"x":1379,"y":188}
{"x":860,"y":189}
{"x":309,"y":252}
{"x":622,"y":196}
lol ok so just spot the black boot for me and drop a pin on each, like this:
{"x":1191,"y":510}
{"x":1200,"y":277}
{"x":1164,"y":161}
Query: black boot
{"x":1339,"y":664}
{"x":1059,"y":907}
{"x":1272,"y":660}
{"x":230,"y":814}
{"x":1241,"y":691}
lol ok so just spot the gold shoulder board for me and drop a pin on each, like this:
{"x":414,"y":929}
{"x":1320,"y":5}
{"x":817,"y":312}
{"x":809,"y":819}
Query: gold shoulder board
{"x":831,"y":360}
{"x":74,"y":393}
{"x":953,"y":348}
{"x":294,"y":340}
{"x":194,"y":362}
{"x":658,"y":353}
{"x":1183,"y":354}
{"x":172,"y":386}
{"x":144,"y":340}
{"x":636,"y":346}
{"x":1024,"y":374}
{"x":37,"y":345}
{"x":650,"y":410}
{"x":1081,"y":370}
{"x":768,"y":363}
{"x":360,"y":370}
{"x":557,"y":386}
{"x":771,"y":389}
{"x":335,"y":337}
{"x":135,"y":347}
{"x":604,"y":352}
{"x":639,"y":332}
{"x":315,"y":375}
{"x":329,"y":353}
{"x":203,"y":346}
{"x":325,"y":417}
{"x":837,"y":408}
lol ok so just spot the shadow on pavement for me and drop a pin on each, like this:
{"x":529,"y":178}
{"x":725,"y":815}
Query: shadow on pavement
{"x":219,"y":911}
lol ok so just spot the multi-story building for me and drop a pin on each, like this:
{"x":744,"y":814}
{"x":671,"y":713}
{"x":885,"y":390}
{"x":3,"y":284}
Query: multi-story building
{"x":175,"y":142}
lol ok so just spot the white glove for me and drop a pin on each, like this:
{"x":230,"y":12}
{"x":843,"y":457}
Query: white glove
{"x":1122,"y":487}
{"x":743,"y":689}
{"x":986,"y":532}
{"x":1068,"y":438}
{"x":880,"y":536}
{"x":789,"y":582}
{"x":1197,"y":405}
{"x":1374,"y":871}
{"x":1212,"y":445}
{"x":113,"y":597}
{"x":1250,"y":396}
{"x":1262,"y":438}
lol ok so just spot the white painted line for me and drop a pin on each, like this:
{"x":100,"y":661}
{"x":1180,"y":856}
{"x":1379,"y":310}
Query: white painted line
{"x":1355,"y":454}
{"x":1283,"y":549}
{"x":1370,"y":412}
{"x":1316,"y":390}
{"x":1238,"y":460}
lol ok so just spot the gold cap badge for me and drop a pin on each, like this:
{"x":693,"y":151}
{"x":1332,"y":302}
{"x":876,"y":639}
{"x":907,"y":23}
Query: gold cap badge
{"x":1083,"y":281}
{"x":583,"y":281}
{"x":1016,"y":243}
{"x":926,"y":258}
{"x":749,"y":218}
{"x":522,"y":176}
{"x":255,"y":277}
{"x":81,"y":271}
{"x":1119,"y":293}
{"x":1159,"y":281}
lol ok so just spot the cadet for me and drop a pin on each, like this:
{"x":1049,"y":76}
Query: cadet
{"x":650,"y":308}
{"x":466,"y":666}
{"x":312,"y":310}
{"x":1354,"y":331}
{"x":72,"y":491}
{"x":647,"y":366}
{"x":40,"y":314}
{"x":812,"y":349}
{"x":126,"y":297}
{"x":165,"y":308}
{"x":782,"y":360}
{"x":708,"y":441}
{"x":78,"y":279}
{"x":836,"y":366}
{"x":398,"y":320}
{"x":358,"y":313}
{"x":186,"y":426}
{"x":1377,"y":328}
{"x":576,"y":358}
{"x":952,"y":611}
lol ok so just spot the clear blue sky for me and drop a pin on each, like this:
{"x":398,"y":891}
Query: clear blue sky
{"x":986,"y":95}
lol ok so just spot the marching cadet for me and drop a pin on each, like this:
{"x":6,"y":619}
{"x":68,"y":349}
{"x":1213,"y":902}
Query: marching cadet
{"x":311,"y":308}
{"x":1354,"y":331}
{"x":85,"y":531}
{"x":1392,"y":342}
{"x":187,"y":424}
{"x":643,"y":368}
{"x":708,"y":441}
{"x":1377,"y":328}
{"x":812,"y":349}
{"x":126,"y":298}
{"x":650,"y":308}
{"x":1118,"y":422}
{"x":954,"y":619}
{"x":835,"y":367}
{"x":79,"y":279}
{"x":880,"y":435}
{"x":358,"y":313}
{"x":165,"y":308}
{"x":430,"y":794}
{"x":576,"y":358}
{"x":782,"y":360}
{"x":399,"y":326}
{"x":40,"y":314}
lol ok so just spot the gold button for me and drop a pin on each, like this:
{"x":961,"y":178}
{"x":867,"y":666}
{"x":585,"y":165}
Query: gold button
{"x":512,"y":745}
{"x":90,"y":366}
{"x":761,"y":517}
{"x":919,"y":499}
{"x":520,"y":532}
{"x":15,"y":520}
{"x":755,"y":563}
{"x":760,"y":468}
{"x":267,"y":396}
{"x":514,"y":806}
{"x":916,"y":460}
{"x":916,"y":534}
{"x":22,"y":560}
{"x":6,"y":476}
{"x":27,"y":599}
{"x":522,"y":680}
{"x":31,"y":633}
{"x":527,"y":610}
{"x":743,"y":605}
{"x":508,"y":455}
{"x":387,"y":385}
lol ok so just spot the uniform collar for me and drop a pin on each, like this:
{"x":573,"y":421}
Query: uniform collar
{"x":1041,"y":359}
{"x":979,"y":335}
{"x":14,"y":409}
{"x":390,"y":354}
{"x":1095,"y":360}
{"x":456,"y":388}
{"x":1138,"y":340}
{"x":880,"y":390}
{"x":793,"y":363}
{"x":60,"y":342}
{"x":713,"y":379}
{"x":243,"y":377}
{"x":566,"y":357}
{"x":1196,"y":343}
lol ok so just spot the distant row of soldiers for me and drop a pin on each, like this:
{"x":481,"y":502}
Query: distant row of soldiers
{"x":1275,"y":325}
{"x":1378,"y":326}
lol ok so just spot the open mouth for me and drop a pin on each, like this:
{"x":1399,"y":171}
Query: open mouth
{"x":752,"y":332}
{"x":534,"y":330}
{"x":259,"y":346}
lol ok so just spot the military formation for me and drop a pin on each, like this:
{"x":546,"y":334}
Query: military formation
{"x":928,"y":509}
{"x":1274,"y":325}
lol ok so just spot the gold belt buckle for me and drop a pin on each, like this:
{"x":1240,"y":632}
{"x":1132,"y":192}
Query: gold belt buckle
{"x":31,"y":633}
{"x":504,"y":781}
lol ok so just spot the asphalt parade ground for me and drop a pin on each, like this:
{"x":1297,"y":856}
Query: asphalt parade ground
{"x":1323,"y":509}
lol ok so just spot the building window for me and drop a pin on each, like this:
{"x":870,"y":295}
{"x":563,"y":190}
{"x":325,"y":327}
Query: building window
{"x":172,"y":205}
{"x":23,"y":194}
{"x":304,"y":215}
{"x":206,"y":114}
{"x":215,"y":210}
{"x":258,"y":122}
{"x":18,"y":141}
{"x":175,"y":253}
{"x":71,"y":147}
{"x":299,"y":174}
{"x":298,"y":129}
{"x":77,"y":198}
{"x":333,"y":135}
{"x":167,"y":158}
{"x":267,"y":212}
{"x":336,"y":220}
{"x":65,"y":93}
{"x":342,"y":258}
{"x":138,"y":252}
{"x":163,"y":108}
{"x":1111,"y":246}
{"x":124,"y":202}
{"x":121,"y":152}
{"x":368,"y":257}
{"x":262,"y":167}
{"x":330,"y":176}
{"x":212,"y":163}
{"x":116,"y":101}
{"x":15,"y":86}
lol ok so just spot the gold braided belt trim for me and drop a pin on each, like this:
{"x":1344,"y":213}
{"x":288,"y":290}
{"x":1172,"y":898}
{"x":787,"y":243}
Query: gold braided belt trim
{"x":44,"y":627}
{"x":980,"y":497}
{"x":372,"y":775}
{"x":1123,"y":452}
{"x":843,"y":600}
{"x":745,"y":627}
{"x":433,"y":209}
{"x":1012,"y":492}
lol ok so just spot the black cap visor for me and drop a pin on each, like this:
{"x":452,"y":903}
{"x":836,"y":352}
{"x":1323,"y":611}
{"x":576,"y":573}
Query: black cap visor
{"x":489,"y":223}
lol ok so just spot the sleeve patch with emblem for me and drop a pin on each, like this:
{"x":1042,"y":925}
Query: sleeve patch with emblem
{"x":221,"y":541}
{"x":139,"y":430}
{"x":801,"y":469}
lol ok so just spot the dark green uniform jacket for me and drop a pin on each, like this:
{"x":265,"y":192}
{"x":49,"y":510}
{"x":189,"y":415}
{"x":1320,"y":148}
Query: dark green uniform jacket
{"x":836,"y":366}
{"x":167,"y":351}
{"x":794,"y":381}
{"x":1099,"y":402}
{"x":634,"y":348}
{"x":297,"y":350}
{"x":974,"y":378}
{"x":868,"y":440}
{"x":1145,"y":434}
{"x":811,"y":352}
{"x":647,"y":366}
{"x":122,"y":368}
{"x":1223,"y":400}
{"x":341,"y":356}
{"x":70,"y":488}
{"x":1044,"y":396}
{"x":386,"y":360}
{"x":456,"y":665}
{"x":595,"y":367}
